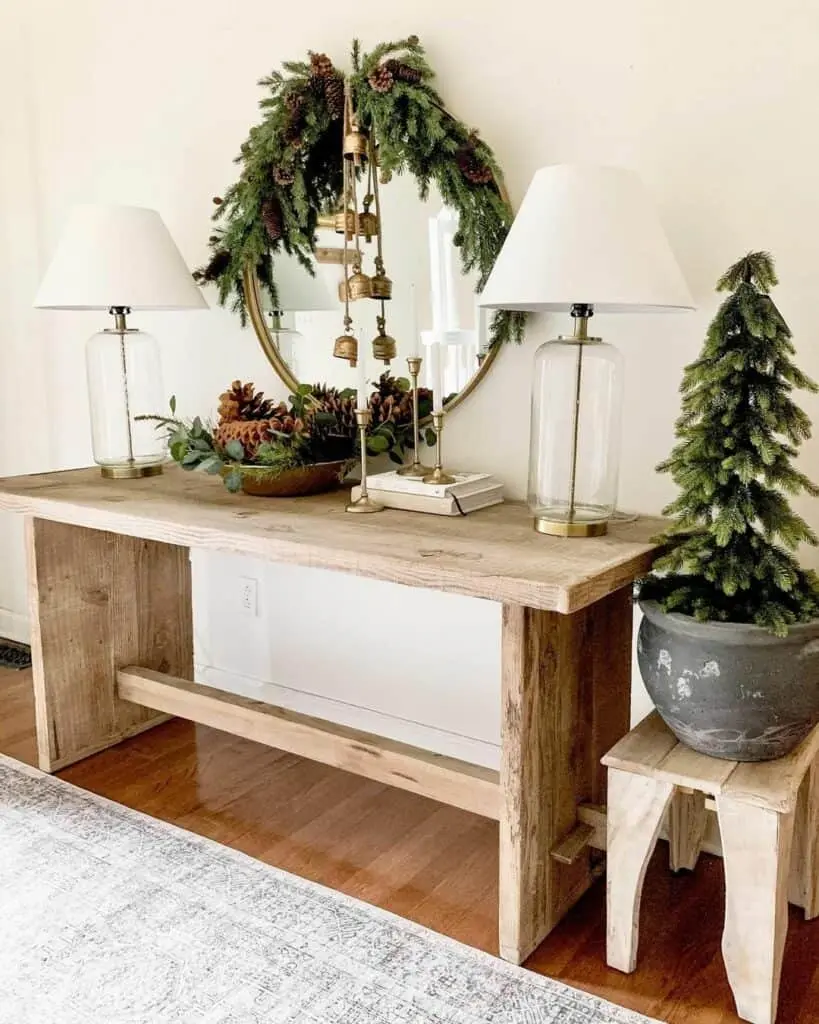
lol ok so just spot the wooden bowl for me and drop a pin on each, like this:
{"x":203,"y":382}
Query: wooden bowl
{"x":292,"y":483}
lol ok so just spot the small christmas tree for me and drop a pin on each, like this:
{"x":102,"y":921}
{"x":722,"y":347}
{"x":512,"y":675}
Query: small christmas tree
{"x":730,"y":558}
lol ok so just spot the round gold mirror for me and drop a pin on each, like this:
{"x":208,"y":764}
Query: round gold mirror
{"x":364,"y":224}
{"x":433,"y":302}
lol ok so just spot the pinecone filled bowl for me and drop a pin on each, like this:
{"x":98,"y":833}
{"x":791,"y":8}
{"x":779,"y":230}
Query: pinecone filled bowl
{"x":282,"y":450}
{"x":262,"y":482}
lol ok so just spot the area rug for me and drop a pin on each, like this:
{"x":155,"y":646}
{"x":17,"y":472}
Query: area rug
{"x":108,"y":916}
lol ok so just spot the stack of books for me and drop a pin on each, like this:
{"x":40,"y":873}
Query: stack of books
{"x":470,"y":492}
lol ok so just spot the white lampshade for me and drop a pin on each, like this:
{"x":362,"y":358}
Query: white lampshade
{"x":297,"y":290}
{"x":590,"y":235}
{"x":117,"y":256}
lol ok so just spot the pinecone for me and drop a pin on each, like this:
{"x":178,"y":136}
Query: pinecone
{"x":334,"y":95}
{"x":272,"y":217}
{"x":214,"y":268}
{"x":472,"y":166}
{"x":320,"y":65}
{"x":283,"y":175}
{"x":403,"y":72}
{"x":390,"y":403}
{"x":330,"y":400}
{"x":293,"y":132}
{"x":243,"y":402}
{"x":382,"y":79}
{"x":249,"y":434}
{"x":294,"y":101}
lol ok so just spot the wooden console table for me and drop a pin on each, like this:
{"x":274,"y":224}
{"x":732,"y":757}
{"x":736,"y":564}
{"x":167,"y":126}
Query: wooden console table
{"x":112,"y":646}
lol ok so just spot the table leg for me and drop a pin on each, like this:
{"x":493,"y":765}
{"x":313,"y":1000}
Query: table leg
{"x":566,"y":701}
{"x":99,"y":601}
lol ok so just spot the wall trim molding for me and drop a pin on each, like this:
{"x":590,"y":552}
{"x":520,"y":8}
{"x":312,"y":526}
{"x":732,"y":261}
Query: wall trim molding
{"x":14,"y":626}
{"x":465,"y":748}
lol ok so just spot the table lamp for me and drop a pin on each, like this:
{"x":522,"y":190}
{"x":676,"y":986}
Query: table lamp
{"x":297,"y":291}
{"x":586,"y":239}
{"x":120,"y":258}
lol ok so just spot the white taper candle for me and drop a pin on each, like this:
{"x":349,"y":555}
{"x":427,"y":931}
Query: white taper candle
{"x":362,"y":397}
{"x":436,"y":376}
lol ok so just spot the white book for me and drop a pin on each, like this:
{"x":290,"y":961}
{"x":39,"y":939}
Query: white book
{"x":446,"y":505}
{"x":465,"y":484}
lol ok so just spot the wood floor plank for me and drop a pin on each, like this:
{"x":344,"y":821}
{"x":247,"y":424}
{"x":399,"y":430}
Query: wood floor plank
{"x":432,"y":864}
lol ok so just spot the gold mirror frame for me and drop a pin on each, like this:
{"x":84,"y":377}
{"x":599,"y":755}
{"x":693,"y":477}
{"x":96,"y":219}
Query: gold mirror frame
{"x":253,"y":299}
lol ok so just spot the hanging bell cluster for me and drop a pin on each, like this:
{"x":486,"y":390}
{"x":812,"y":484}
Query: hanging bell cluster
{"x":359,"y":147}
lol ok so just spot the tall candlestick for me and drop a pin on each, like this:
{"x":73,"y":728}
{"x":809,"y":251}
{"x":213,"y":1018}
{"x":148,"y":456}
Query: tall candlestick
{"x":415,"y":468}
{"x":364,"y":503}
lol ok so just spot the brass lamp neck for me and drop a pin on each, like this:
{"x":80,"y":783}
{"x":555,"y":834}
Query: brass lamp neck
{"x":582,"y":312}
{"x":119,"y":314}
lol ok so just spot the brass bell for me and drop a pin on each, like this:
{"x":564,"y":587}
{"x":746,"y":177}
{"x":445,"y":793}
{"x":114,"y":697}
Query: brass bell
{"x":381,"y":286}
{"x":355,"y":143}
{"x":326,"y":220}
{"x":384,"y":347}
{"x":359,"y":286}
{"x":346,"y":347}
{"x":367,"y":225}
{"x":344,"y":222}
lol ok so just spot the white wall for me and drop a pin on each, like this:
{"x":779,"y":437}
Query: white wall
{"x":147,"y":103}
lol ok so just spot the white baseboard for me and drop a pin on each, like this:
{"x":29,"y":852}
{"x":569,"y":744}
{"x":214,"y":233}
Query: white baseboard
{"x":419,"y":735}
{"x":14,"y":626}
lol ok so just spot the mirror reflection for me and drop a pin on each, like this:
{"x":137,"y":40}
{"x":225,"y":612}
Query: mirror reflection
{"x":431,"y":299}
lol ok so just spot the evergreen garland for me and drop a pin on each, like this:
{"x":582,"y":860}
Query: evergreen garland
{"x":730,"y":557}
{"x":292,"y":168}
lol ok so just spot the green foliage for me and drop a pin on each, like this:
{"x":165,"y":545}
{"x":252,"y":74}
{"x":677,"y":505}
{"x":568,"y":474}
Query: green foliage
{"x":729,"y":557}
{"x":291,"y":166}
{"x":327,"y":432}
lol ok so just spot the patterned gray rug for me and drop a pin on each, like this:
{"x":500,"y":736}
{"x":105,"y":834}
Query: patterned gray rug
{"x":108,"y":916}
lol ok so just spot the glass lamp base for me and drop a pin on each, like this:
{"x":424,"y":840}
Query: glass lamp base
{"x":130,"y":472}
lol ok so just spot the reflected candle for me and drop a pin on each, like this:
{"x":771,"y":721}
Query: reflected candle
{"x":436,"y":376}
{"x":362,"y":398}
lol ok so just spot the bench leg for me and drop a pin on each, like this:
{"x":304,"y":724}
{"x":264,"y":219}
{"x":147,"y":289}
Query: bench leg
{"x":636,"y":808}
{"x":687,"y":820}
{"x":756,"y":848}
{"x":804,"y":886}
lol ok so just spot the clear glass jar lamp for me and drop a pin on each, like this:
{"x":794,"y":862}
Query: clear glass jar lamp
{"x":124,"y":384}
{"x":574,"y":454}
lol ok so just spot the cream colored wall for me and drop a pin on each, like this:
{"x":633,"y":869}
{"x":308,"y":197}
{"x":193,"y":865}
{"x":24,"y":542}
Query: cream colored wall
{"x":147,"y":103}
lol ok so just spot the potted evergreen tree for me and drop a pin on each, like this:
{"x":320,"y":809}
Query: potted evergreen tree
{"x":729,"y":643}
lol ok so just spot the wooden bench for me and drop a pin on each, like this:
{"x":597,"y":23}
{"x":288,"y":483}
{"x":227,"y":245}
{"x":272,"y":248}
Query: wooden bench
{"x":769,"y":823}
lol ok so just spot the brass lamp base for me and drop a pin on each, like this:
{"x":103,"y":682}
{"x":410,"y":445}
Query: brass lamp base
{"x":564,"y":528}
{"x":130,"y":472}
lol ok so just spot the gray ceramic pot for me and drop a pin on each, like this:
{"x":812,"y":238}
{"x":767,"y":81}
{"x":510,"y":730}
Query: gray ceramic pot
{"x":730,"y":690}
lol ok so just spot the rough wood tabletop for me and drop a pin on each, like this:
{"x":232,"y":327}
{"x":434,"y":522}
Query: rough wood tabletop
{"x":493,"y":554}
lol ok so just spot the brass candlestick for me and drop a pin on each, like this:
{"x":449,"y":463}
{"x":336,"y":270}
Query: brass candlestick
{"x":364,"y":503}
{"x":415,"y":468}
{"x":439,"y":475}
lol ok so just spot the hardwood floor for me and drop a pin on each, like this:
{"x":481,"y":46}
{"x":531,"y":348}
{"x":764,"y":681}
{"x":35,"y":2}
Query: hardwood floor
{"x":433,"y":864}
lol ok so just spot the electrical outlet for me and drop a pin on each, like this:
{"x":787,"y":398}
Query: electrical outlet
{"x":249,"y":595}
